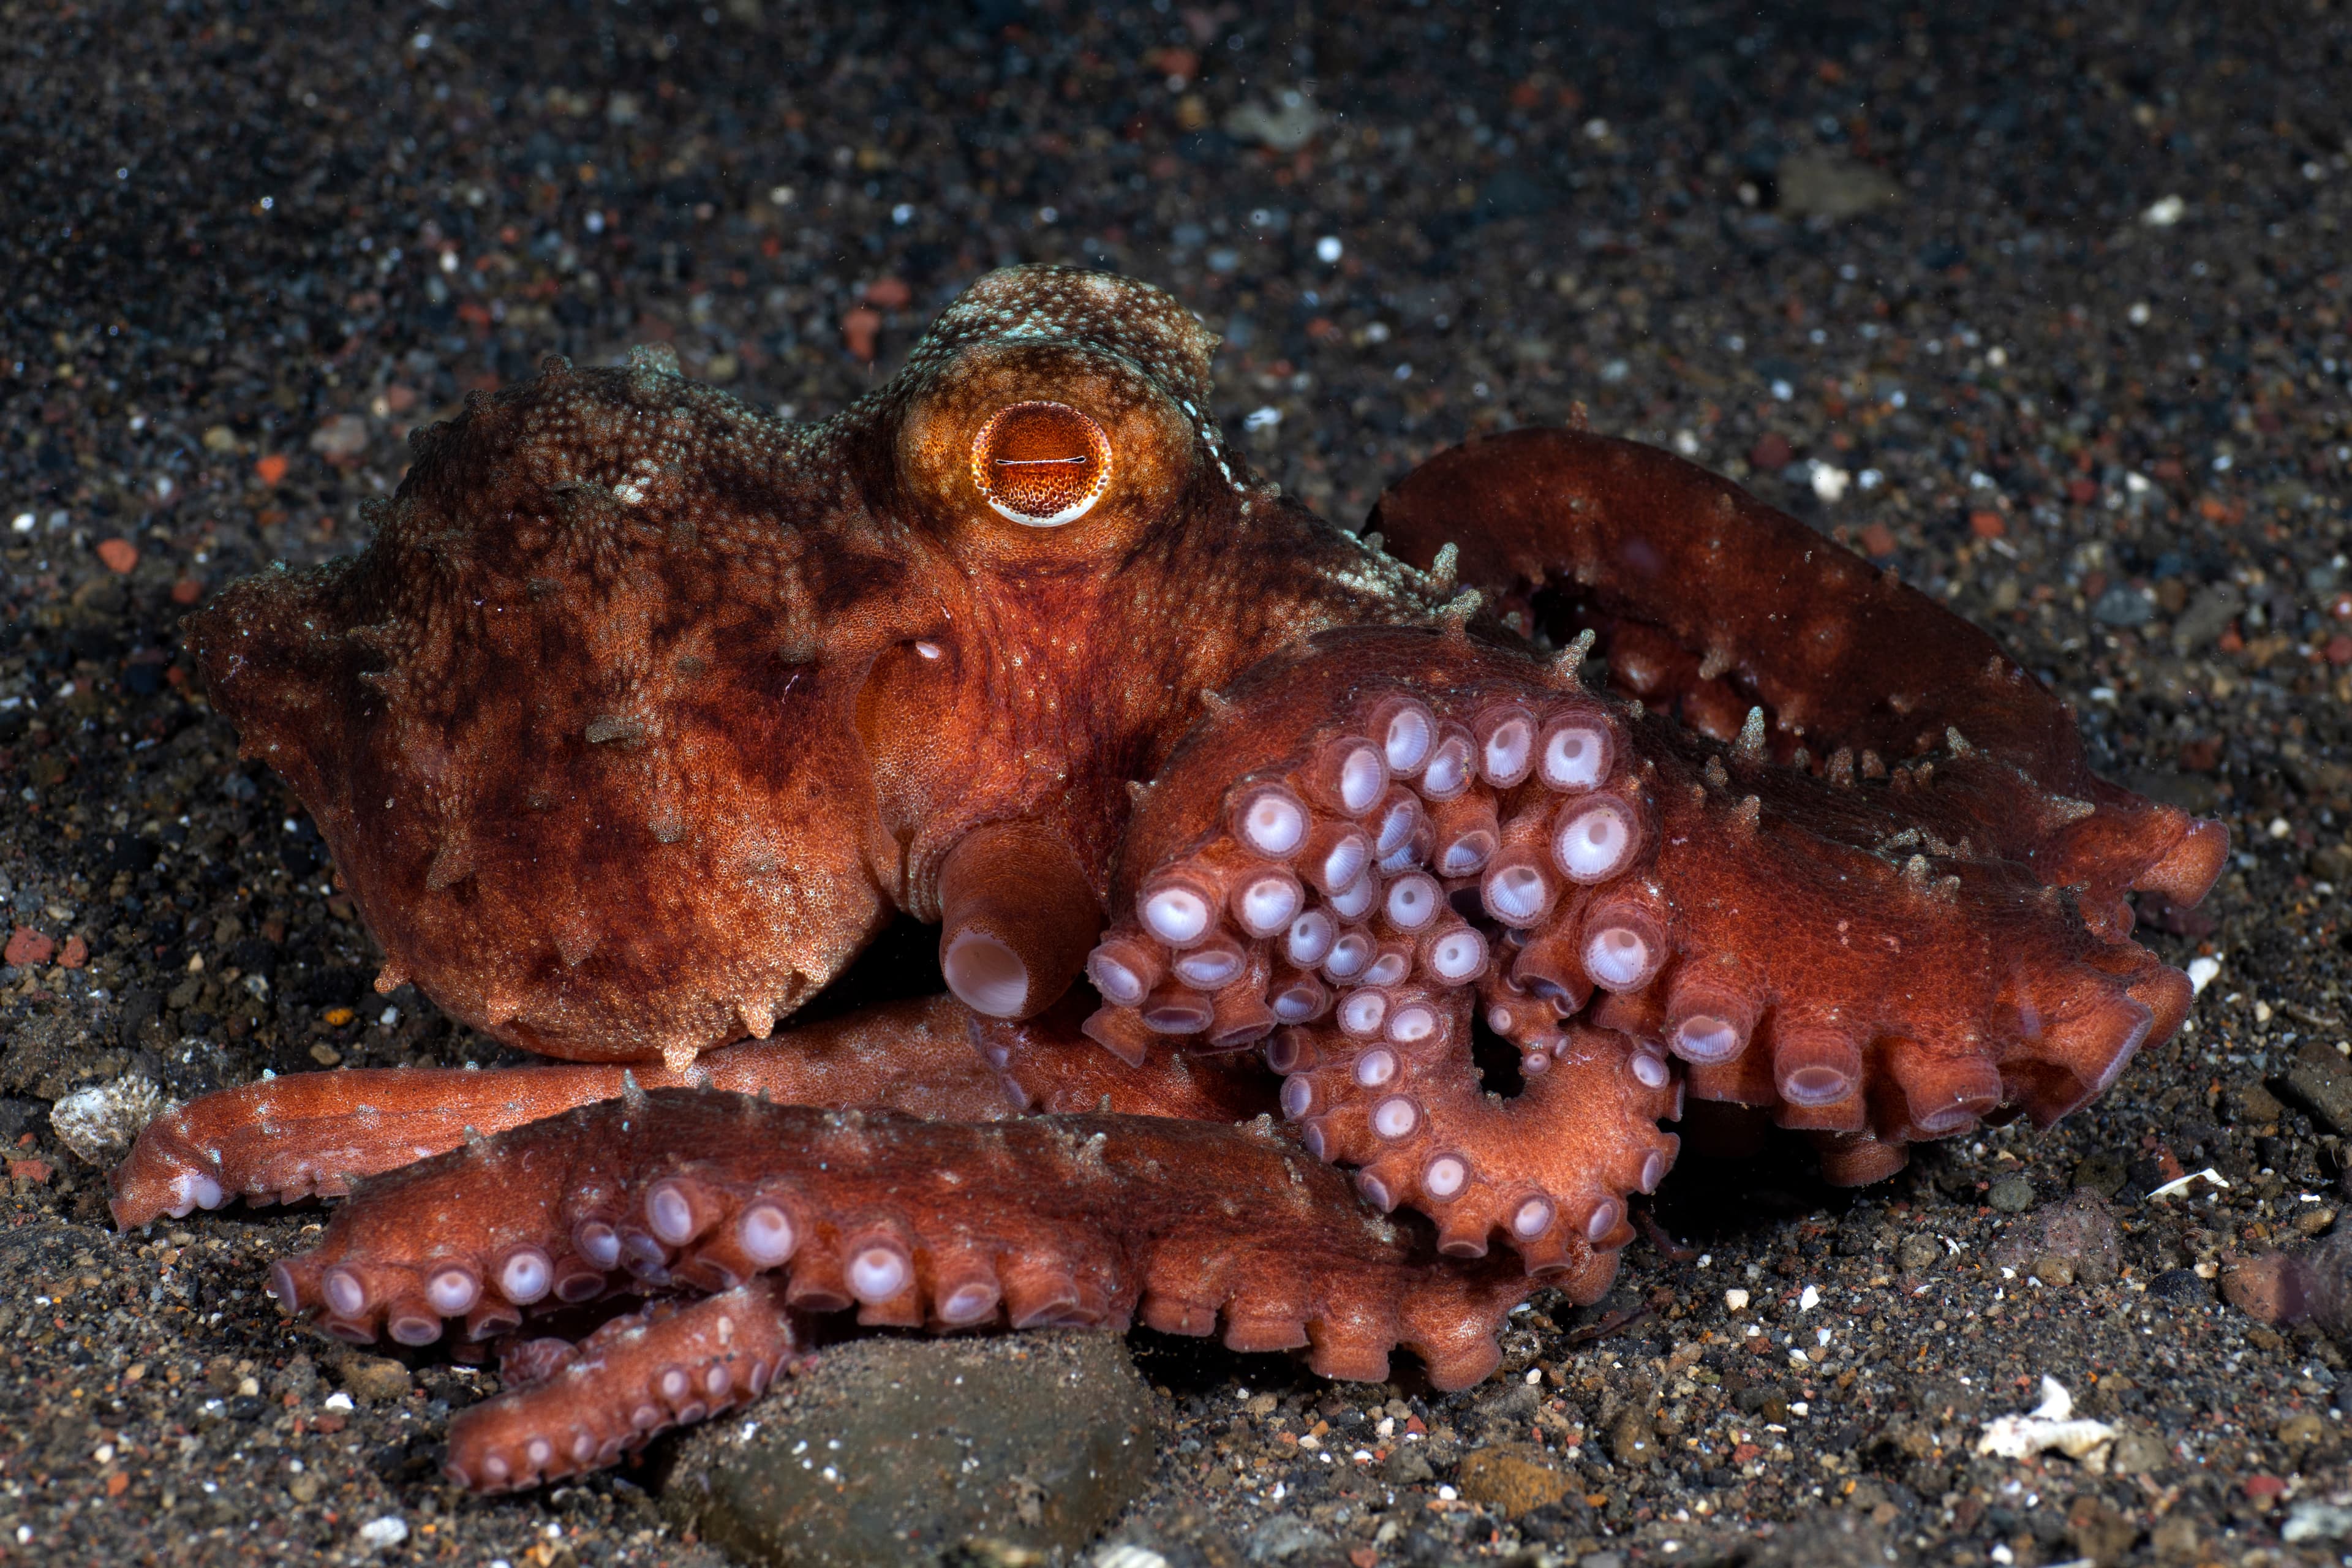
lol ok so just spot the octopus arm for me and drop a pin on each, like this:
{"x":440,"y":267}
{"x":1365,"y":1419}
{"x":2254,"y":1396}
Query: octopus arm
{"x":314,"y":1134}
{"x":1190,"y":1227}
{"x":1707,"y":602}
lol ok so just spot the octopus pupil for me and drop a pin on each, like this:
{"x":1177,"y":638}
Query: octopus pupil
{"x":1042,"y":464}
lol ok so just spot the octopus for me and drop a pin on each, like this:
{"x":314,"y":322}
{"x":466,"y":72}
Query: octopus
{"x":1334,"y":926}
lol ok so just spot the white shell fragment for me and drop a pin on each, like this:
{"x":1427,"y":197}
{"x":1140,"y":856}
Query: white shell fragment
{"x":100,"y":1123}
{"x":2051,"y":1425}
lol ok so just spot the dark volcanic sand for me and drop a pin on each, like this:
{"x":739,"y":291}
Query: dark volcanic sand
{"x":2042,"y":305}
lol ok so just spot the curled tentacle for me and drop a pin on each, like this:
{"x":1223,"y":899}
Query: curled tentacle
{"x":1801,"y":944}
{"x":580,"y":1407}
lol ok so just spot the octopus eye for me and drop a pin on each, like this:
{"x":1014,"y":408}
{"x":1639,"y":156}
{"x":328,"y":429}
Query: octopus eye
{"x":1041,"y":463}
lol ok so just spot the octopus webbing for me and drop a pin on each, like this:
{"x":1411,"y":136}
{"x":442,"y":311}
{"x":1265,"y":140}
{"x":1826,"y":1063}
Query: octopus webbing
{"x":644,"y":712}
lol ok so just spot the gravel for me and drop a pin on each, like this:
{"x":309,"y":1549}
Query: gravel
{"x":2041,"y":306}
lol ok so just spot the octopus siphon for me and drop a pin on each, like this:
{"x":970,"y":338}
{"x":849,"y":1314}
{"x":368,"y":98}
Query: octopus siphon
{"x":1248,"y":838}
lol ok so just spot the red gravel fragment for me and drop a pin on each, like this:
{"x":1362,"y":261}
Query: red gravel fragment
{"x":2269,"y":1289}
{"x":859,"y":330}
{"x":27,"y":946}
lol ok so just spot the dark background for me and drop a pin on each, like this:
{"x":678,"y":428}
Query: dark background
{"x":2041,"y":305}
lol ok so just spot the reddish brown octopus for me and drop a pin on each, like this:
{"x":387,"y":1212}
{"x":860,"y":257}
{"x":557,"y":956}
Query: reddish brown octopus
{"x":644,"y":712}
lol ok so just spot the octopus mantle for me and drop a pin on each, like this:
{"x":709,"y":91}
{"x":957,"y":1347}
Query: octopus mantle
{"x":644,"y":713}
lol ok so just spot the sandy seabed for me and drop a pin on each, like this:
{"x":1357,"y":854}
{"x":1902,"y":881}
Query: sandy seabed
{"x":2041,"y":305}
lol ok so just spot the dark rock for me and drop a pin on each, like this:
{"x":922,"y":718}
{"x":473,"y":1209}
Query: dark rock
{"x":891,"y":1451}
{"x":1513,"y":1403}
{"x":2320,"y":1081}
{"x":1407,"y":1465}
{"x":2012,"y":1195}
{"x":299,"y":1377}
{"x":2252,"y":1104}
{"x":2102,"y":1174}
{"x":131,"y":854}
{"x":2180,"y":1285}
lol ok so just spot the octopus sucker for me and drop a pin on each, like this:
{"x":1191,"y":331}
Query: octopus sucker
{"x":643,"y":714}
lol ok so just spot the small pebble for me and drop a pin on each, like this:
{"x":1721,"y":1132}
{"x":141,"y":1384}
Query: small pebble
{"x":372,"y":1379}
{"x":383,"y":1534}
{"x":1919,"y":1252}
{"x":2103,"y":1173}
{"x":1631,"y":1438}
{"x":2179,"y":1285}
{"x":2012,"y":1195}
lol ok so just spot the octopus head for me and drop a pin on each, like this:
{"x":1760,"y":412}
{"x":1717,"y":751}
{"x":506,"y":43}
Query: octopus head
{"x":643,"y":710}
